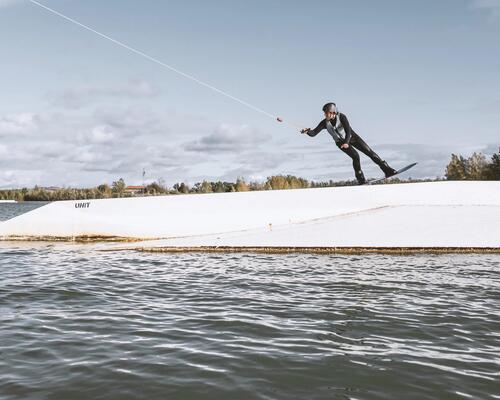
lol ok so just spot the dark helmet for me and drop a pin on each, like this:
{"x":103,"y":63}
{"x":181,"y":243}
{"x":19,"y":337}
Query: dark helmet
{"x":330,"y":107}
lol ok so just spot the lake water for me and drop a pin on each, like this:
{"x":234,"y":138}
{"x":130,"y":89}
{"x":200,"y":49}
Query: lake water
{"x":78,"y":323}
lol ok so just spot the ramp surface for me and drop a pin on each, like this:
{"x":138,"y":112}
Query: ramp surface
{"x":437,"y":214}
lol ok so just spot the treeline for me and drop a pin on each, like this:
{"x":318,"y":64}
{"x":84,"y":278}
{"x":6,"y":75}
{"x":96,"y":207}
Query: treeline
{"x":475,"y":168}
{"x":119,"y":189}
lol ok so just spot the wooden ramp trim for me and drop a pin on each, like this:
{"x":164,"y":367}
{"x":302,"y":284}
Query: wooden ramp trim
{"x":315,"y":250}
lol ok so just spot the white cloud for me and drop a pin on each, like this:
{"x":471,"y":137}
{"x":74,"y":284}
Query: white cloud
{"x":101,"y":134}
{"x":90,"y":146}
{"x":228,"y":138}
{"x":19,"y":124}
{"x":85,"y":157}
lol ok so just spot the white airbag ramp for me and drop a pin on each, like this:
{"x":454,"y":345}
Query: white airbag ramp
{"x":437,"y":214}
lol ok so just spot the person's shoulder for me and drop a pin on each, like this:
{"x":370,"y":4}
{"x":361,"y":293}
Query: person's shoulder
{"x":343,"y":117}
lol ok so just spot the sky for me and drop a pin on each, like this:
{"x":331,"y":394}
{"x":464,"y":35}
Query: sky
{"x":418,"y":81}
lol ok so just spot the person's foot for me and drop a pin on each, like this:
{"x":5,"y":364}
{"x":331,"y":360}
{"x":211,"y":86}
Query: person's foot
{"x":360,"y":177}
{"x":388,"y":171}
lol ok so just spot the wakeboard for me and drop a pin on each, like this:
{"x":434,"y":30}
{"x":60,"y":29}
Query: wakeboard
{"x":399,"y":171}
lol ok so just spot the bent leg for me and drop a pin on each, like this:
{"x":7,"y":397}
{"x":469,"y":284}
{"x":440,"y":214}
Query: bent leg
{"x":351,"y":152}
{"x":361,"y":145}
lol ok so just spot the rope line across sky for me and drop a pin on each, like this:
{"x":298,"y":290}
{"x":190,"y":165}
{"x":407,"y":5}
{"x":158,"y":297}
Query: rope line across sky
{"x":165,"y":65}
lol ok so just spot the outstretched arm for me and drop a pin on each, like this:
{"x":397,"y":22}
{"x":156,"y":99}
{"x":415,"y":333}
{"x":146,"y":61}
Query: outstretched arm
{"x":315,"y":131}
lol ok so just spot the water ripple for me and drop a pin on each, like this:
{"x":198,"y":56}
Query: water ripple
{"x":77,"y":323}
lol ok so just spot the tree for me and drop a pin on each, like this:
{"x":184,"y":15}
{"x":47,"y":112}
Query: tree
{"x":204,"y":187}
{"x":477,"y":167}
{"x":493,"y":169}
{"x":241,"y":185}
{"x":278,"y":182}
{"x":162,"y":184}
{"x":297,"y":183}
{"x":495,"y":166}
{"x":104,"y":191}
{"x":255,"y":186}
{"x":219,"y":187}
{"x":456,"y":170}
{"x":154,"y":189}
{"x":118,"y":187}
{"x":181,"y":188}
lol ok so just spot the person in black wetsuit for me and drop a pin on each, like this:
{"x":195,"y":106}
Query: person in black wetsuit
{"x":348,"y":141}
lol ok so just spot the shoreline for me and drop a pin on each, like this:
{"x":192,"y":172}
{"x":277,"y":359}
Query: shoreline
{"x":317,"y":250}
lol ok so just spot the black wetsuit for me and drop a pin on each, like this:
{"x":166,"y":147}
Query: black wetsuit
{"x":355,"y":142}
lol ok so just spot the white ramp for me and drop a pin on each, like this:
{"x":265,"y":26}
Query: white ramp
{"x":437,"y":214}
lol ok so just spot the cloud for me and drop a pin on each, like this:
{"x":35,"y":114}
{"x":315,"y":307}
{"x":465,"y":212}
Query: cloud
{"x":89,"y":148}
{"x":83,"y":96}
{"x":491,"y":6}
{"x":228,"y":138}
{"x":86,"y":148}
{"x":101,"y":142}
{"x":19,"y":124}
{"x":101,"y":134}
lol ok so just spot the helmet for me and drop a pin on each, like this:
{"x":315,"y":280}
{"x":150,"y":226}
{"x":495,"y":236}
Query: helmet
{"x":330,"y":107}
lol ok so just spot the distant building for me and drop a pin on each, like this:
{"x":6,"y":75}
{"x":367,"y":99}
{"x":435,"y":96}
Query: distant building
{"x":51,"y":188}
{"x":134,"y":189}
